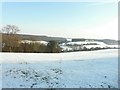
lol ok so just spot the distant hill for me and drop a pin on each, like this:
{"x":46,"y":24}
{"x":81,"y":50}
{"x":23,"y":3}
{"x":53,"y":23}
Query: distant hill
{"x":40,"y":38}
{"x":109,"y":41}
{"x":61,"y":39}
{"x":106,"y":41}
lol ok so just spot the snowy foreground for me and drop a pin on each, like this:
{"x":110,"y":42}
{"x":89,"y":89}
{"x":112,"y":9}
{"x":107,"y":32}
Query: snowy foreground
{"x":86,"y":69}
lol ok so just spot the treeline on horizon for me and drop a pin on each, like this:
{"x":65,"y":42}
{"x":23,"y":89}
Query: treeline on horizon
{"x":11,"y":42}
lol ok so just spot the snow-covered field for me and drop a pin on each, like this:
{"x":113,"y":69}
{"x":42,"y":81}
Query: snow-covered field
{"x":85,"y":44}
{"x":86,"y":69}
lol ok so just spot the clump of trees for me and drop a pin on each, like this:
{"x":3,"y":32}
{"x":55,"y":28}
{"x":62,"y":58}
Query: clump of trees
{"x":11,"y":42}
{"x":53,"y":47}
{"x":32,"y":48}
{"x":10,"y":39}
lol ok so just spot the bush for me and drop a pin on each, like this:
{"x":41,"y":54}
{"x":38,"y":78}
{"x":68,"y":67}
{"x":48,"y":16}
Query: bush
{"x":53,"y":47}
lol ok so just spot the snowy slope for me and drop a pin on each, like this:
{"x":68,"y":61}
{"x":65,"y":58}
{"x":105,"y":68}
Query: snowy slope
{"x":28,"y":41}
{"x":86,"y":42}
{"x":96,"y":69}
{"x":38,"y":57}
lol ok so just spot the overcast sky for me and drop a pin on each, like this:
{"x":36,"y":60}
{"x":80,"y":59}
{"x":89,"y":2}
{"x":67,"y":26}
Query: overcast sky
{"x":64,"y":19}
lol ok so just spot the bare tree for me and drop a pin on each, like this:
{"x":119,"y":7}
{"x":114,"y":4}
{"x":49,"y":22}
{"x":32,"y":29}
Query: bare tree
{"x":10,"y":37}
{"x":10,"y":29}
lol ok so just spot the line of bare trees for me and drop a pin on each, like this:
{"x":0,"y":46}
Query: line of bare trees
{"x":11,"y":42}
